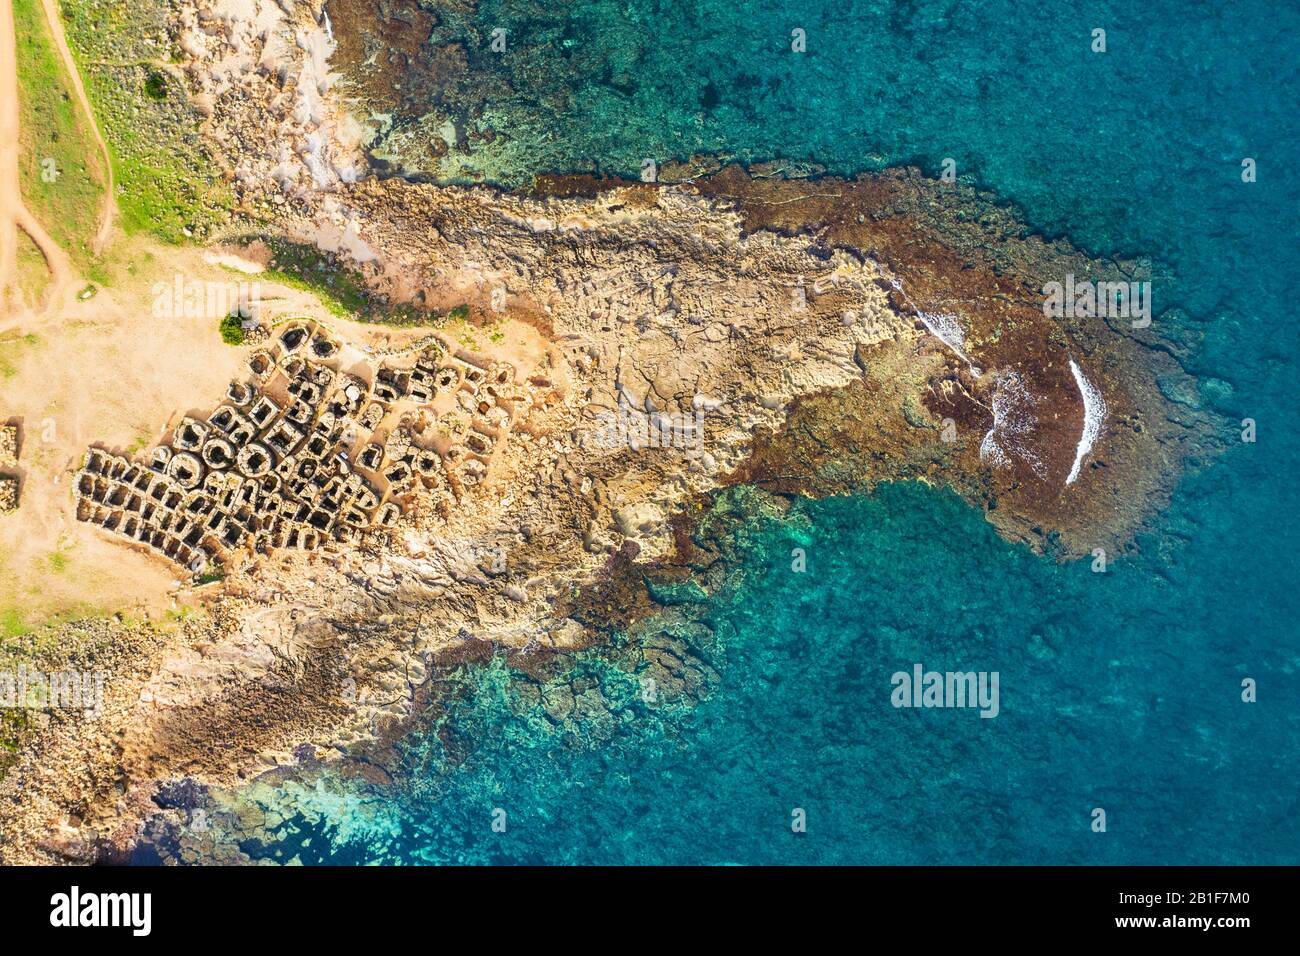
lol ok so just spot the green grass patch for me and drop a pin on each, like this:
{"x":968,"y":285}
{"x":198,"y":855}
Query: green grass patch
{"x":63,"y":178}
{"x":13,"y":724}
{"x":33,"y":273}
{"x":10,"y":346}
{"x":232,"y":330}
{"x":340,"y":288}
{"x":168,"y":181}
{"x":176,"y":615}
{"x":98,"y":274}
{"x":12,"y":623}
{"x":155,"y":86}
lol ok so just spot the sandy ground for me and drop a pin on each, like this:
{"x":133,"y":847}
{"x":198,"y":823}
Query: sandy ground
{"x":104,"y":370}
{"x":107,"y":371}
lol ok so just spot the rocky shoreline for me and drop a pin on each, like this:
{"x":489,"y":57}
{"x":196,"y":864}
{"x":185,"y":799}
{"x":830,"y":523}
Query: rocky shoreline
{"x":815,"y":335}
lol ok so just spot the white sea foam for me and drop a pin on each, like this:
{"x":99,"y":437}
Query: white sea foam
{"x":1013,"y":423}
{"x":326,"y":133}
{"x":944,"y":326}
{"x":1094,"y":413}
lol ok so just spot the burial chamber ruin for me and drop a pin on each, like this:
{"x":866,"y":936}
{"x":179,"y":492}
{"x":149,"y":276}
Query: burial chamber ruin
{"x":301,"y":452}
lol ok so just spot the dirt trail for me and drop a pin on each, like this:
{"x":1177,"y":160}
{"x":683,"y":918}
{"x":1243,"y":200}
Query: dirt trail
{"x":14,"y":215}
{"x":55,"y":21}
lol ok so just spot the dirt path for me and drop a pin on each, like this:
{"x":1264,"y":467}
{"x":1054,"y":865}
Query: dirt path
{"x":55,"y":21}
{"x":14,"y":215}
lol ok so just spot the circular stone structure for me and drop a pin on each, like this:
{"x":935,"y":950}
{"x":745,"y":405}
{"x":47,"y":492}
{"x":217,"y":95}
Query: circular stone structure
{"x":428,"y":462}
{"x":255,"y":460}
{"x":261,"y":363}
{"x":323,"y":347}
{"x":185,"y":469}
{"x":218,"y":453}
{"x":294,"y":337}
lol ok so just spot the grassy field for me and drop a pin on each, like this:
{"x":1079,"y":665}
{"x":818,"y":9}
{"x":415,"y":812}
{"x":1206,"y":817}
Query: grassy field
{"x":20,"y":610}
{"x":341,"y":290}
{"x":168,"y":184}
{"x":33,"y":276}
{"x":11,"y":344}
{"x":63,"y":178}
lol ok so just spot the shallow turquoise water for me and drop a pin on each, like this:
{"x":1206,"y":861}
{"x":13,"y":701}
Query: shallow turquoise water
{"x":1118,"y":690}
{"x":1137,"y":149}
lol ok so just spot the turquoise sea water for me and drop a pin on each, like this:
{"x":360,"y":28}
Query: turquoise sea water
{"x":1118,"y":690}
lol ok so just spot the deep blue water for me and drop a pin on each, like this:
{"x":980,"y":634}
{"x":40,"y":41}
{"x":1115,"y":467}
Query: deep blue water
{"x":1118,"y":690}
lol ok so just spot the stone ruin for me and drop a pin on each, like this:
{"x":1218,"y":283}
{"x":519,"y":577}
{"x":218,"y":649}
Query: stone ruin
{"x":302,"y":453}
{"x":8,"y":460}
